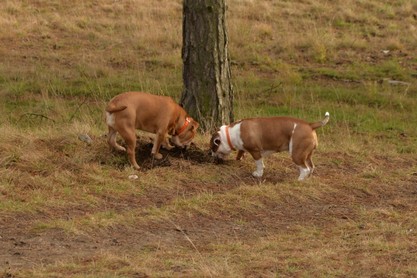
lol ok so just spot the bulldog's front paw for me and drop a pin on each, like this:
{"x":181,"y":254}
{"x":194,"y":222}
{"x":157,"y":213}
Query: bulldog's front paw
{"x":257,"y":174}
{"x":240,"y":155}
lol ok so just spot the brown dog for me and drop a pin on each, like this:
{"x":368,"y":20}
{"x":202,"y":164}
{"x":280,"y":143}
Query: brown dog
{"x":155,"y":114}
{"x":262,"y":136}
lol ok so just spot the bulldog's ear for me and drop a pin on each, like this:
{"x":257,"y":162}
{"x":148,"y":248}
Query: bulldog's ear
{"x":217,"y":141}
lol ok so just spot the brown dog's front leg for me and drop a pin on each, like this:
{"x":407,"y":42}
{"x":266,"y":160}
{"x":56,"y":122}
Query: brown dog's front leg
{"x":166,"y":144}
{"x":157,"y":145}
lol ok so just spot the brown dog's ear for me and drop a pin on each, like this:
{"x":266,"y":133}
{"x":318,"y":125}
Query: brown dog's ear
{"x":192,"y":124}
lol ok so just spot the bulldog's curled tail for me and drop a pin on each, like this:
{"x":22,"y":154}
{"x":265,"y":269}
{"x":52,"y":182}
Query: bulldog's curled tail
{"x":322,"y":122}
{"x":112,"y":108}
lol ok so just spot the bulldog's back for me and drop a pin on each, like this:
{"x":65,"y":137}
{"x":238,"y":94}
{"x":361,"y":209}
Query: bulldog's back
{"x":269,"y":133}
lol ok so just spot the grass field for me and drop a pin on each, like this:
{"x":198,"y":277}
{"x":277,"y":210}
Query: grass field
{"x":69,"y":209}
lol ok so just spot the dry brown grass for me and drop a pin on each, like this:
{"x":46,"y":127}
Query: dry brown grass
{"x":68,"y":209}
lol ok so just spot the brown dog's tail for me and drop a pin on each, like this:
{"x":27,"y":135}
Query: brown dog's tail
{"x":322,"y":122}
{"x":112,"y":108}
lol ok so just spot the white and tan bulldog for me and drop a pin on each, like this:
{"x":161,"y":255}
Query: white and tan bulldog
{"x":263,"y":136}
{"x":151,"y":113}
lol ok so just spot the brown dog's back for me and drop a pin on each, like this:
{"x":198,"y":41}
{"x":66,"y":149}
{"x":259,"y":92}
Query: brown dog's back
{"x":145,"y":111}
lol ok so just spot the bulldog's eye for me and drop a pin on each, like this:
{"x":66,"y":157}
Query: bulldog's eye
{"x":217,"y":142}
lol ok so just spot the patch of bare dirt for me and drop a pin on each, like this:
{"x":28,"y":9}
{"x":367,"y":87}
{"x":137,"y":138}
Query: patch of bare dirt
{"x":192,"y":153}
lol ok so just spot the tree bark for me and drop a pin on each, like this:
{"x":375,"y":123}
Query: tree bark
{"x":208,"y":92}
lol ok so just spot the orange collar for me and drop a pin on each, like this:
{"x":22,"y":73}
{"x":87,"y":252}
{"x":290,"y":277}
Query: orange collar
{"x":186,"y":123}
{"x":229,"y":141}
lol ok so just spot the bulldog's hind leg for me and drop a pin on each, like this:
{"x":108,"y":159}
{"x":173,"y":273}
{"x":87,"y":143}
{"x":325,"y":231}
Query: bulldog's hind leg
{"x":300,"y":159}
{"x":310,"y":163}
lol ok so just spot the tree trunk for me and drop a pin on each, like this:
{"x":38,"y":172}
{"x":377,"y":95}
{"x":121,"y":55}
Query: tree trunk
{"x":208,"y":92}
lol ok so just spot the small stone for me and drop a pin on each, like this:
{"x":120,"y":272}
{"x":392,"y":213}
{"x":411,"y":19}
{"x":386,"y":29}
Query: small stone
{"x":85,"y":138}
{"x":133,"y":177}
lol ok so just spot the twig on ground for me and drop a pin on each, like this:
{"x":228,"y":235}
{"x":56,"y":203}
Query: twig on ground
{"x":35,"y":115}
{"x":78,"y":109}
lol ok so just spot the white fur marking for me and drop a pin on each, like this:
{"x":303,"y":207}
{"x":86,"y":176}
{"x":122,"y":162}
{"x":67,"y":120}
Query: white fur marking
{"x":292,"y":133}
{"x":259,"y":168}
{"x":235,"y":136}
{"x":235,"y":139}
{"x":224,"y":146}
{"x":110,"y":119}
{"x":304,"y":172}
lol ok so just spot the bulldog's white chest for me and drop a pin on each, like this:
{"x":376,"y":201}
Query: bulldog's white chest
{"x":230,"y":138}
{"x":235,"y":137}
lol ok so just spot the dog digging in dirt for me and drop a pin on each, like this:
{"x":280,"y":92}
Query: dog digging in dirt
{"x":263,"y":136}
{"x":151,"y":113}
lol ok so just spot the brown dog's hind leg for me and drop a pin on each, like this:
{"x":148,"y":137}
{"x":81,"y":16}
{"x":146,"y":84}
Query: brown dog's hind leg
{"x":111,"y":140}
{"x":130,"y":139}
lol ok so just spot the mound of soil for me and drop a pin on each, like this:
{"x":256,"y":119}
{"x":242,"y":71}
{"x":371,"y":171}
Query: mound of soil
{"x":146,"y":161}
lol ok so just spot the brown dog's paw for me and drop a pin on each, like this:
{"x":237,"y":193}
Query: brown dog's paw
{"x":158,"y":156}
{"x":168,"y":147}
